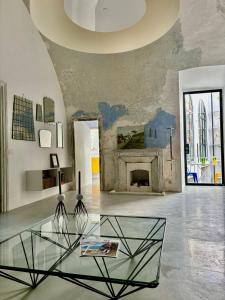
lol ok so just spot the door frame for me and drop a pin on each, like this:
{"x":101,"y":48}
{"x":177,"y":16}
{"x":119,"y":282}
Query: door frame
{"x":3,"y":148}
{"x":220,"y":91}
{"x":101,"y":160}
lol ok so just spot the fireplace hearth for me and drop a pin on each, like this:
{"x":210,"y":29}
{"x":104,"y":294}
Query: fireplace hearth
{"x":139,"y":178}
{"x":139,"y":170}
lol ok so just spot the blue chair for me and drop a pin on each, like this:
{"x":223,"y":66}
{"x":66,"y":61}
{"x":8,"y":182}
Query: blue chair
{"x":194,"y":176}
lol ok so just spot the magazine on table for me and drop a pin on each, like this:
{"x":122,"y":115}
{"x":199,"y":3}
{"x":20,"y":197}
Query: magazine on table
{"x":99,"y":247}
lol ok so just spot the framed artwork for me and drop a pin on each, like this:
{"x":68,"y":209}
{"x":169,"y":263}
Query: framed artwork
{"x":23,"y":119}
{"x":130,"y":137}
{"x":59,"y":135}
{"x":49,"y":110}
{"x":45,"y":138}
{"x":39,"y":115}
{"x":54,"y":160}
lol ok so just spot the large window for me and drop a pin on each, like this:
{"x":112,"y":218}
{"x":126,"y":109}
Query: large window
{"x":190,"y":127}
{"x":202,"y":125}
{"x":203,"y":137}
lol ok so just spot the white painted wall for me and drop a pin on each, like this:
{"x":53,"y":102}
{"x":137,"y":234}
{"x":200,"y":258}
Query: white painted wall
{"x":27,"y":69}
{"x":196,"y":79}
{"x":82,"y":137}
{"x":94,"y":131}
{"x":94,"y":142}
{"x":82,"y":12}
{"x":118,"y":15}
{"x":105,"y":15}
{"x":202,"y":78}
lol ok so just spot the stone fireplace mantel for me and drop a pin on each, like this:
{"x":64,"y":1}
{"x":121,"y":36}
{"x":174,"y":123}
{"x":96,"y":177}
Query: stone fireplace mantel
{"x":152,"y":159}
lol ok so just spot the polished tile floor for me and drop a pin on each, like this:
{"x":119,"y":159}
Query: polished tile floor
{"x":192,"y":267}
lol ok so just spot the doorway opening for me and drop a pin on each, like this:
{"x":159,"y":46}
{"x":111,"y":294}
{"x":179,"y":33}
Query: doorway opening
{"x":87,"y":154}
{"x":203,"y":138}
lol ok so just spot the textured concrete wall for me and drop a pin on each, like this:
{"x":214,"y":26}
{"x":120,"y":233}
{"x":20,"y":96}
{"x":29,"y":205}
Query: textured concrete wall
{"x":142,"y":81}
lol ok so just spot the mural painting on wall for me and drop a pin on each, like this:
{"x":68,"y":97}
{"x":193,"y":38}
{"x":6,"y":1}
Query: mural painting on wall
{"x":155,"y":134}
{"x":130,"y":137}
{"x":49,"y":110}
{"x":39,"y":115}
{"x":157,"y":131}
{"x":86,"y":115}
{"x":110,"y":114}
{"x":23,"y":120}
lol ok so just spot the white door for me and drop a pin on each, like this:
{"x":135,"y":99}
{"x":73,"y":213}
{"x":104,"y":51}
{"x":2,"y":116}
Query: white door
{"x":82,"y":138}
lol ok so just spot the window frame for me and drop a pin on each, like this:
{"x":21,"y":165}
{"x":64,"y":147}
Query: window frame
{"x":220,"y":91}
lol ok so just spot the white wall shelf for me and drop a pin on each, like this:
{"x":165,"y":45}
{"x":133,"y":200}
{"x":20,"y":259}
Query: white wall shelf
{"x":39,"y":180}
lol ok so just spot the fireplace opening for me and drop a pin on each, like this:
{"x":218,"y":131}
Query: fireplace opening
{"x":139,"y":178}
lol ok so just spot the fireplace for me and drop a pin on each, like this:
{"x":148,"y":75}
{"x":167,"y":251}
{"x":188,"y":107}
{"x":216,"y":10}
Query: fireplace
{"x":139,"y":177}
{"x":139,"y":170}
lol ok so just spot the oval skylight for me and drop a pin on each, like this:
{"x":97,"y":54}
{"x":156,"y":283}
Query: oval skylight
{"x":105,"y":15}
{"x":52,"y":21}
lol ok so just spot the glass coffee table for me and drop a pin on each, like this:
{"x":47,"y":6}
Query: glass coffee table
{"x":52,"y":248}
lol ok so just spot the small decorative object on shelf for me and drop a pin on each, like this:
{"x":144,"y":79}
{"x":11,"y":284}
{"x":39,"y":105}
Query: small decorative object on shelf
{"x":54,"y":161}
{"x":80,"y":207}
{"x":60,"y":208}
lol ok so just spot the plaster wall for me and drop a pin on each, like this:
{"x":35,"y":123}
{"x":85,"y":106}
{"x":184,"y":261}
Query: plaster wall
{"x":27,"y":69}
{"x":130,"y":88}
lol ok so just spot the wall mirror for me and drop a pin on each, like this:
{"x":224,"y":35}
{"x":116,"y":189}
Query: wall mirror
{"x":59,"y":135}
{"x":45,"y":138}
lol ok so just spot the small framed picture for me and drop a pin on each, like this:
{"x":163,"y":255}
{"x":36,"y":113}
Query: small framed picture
{"x":39,"y":115}
{"x":54,"y":160}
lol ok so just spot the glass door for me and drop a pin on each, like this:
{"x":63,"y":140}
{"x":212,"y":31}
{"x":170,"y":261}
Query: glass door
{"x":203,"y":138}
